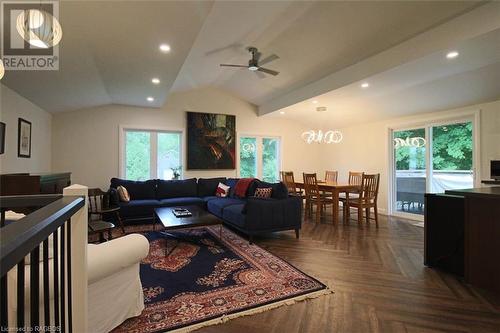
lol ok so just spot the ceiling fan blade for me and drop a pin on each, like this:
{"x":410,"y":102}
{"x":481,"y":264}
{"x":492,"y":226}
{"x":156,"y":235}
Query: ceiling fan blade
{"x":266,"y":60}
{"x":229,"y":65}
{"x":260,"y":75}
{"x":268,"y":71}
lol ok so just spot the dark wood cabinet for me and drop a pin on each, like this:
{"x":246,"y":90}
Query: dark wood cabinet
{"x":462,"y":234}
{"x":34,"y":183}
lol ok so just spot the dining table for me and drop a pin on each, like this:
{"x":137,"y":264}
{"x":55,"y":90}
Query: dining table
{"x":335,"y":188}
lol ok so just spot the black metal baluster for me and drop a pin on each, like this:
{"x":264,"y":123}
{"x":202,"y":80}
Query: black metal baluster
{"x":46,"y":290}
{"x":35,"y":288}
{"x":55,"y":238}
{"x":70,"y":284}
{"x":3,"y":303}
{"x":20,"y":294}
{"x":63,"y":284}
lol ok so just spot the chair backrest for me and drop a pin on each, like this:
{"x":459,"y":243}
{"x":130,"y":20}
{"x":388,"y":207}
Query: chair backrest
{"x":96,"y":199}
{"x":311,"y":184}
{"x":369,"y":187}
{"x":355,"y":178}
{"x":289,"y":181}
{"x":331,"y":176}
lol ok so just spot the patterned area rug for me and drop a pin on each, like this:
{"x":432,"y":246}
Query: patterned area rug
{"x":206,"y":281}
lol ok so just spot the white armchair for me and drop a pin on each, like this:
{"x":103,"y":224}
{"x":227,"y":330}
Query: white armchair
{"x":115,"y":289}
{"x":114,"y":285}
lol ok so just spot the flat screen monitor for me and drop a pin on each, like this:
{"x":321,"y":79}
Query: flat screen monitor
{"x":495,"y":170}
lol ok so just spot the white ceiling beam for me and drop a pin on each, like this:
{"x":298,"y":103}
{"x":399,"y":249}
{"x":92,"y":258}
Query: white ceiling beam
{"x":479,"y":21}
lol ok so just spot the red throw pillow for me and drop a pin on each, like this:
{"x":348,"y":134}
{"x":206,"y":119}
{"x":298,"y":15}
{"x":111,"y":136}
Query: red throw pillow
{"x":240,"y":190}
{"x":263,"y":192}
{"x":222,"y":190}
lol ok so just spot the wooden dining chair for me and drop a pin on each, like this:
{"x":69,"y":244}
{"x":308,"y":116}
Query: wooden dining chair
{"x":315,"y":197}
{"x":355,"y":178}
{"x":289,"y":181}
{"x":331,"y":176}
{"x":366,"y":200}
{"x":98,"y":206}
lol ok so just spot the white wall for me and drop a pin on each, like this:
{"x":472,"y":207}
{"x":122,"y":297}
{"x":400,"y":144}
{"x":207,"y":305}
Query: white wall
{"x":86,"y":142}
{"x":12,"y":107}
{"x":365,"y":147}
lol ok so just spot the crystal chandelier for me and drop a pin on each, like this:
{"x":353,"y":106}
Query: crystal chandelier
{"x":39,"y":28}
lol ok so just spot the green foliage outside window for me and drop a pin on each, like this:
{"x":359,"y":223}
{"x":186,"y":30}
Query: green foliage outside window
{"x":270,"y":160}
{"x":137,"y":155}
{"x":248,"y":157}
{"x":451,"y":148}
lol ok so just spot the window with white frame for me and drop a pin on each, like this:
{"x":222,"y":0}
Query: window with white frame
{"x":260,"y":157}
{"x":150,"y":154}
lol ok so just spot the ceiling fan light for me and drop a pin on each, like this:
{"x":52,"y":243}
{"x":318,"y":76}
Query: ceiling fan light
{"x":253,"y":68}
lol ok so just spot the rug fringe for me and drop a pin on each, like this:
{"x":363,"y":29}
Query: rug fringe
{"x":260,"y":309}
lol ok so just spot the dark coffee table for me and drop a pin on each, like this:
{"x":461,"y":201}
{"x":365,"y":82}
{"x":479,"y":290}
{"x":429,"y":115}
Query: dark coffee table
{"x":170,"y":222}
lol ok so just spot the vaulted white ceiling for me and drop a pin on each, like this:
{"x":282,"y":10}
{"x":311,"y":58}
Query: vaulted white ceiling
{"x":109,"y":54}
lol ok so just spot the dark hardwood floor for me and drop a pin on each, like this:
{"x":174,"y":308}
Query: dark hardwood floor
{"x":380,"y":285}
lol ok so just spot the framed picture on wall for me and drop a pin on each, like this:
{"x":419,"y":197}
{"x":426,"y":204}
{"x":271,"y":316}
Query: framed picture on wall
{"x":211,"y":141}
{"x":23,"y":138}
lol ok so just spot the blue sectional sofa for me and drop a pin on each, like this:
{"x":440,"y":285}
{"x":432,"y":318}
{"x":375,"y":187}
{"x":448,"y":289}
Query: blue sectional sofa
{"x":249,"y":215}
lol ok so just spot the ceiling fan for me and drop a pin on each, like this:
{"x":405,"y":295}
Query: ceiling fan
{"x":254,"y":64}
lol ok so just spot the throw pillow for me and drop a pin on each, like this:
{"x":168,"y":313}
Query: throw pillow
{"x":222,"y":190}
{"x":241,"y":188}
{"x":123,"y":194}
{"x":263,"y":192}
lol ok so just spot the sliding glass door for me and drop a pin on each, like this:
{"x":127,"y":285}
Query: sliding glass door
{"x":452,"y":161}
{"x":432,"y":159}
{"x":410,"y":169}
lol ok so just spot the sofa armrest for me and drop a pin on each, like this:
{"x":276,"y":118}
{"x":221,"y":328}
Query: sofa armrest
{"x":110,"y":257}
{"x":269,"y":214}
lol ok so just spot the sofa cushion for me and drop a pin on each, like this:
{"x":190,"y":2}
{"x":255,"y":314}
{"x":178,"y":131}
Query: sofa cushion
{"x":138,"y":208}
{"x":216,"y":206}
{"x":231,"y":182}
{"x":263,"y":192}
{"x":138,"y":190}
{"x":210,"y":197}
{"x":123,"y":194}
{"x":182,"y":201}
{"x":234,"y":215}
{"x":279,"y":189}
{"x":176,"y":188}
{"x":207,"y":186}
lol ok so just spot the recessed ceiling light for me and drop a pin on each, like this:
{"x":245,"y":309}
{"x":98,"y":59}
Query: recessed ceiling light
{"x":315,"y":102}
{"x":365,"y":85}
{"x":165,"y":48}
{"x":155,"y":80}
{"x":282,"y":112}
{"x":452,"y":54}
{"x":150,"y":99}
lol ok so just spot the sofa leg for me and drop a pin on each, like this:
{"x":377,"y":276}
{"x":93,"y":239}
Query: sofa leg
{"x":297,"y":233}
